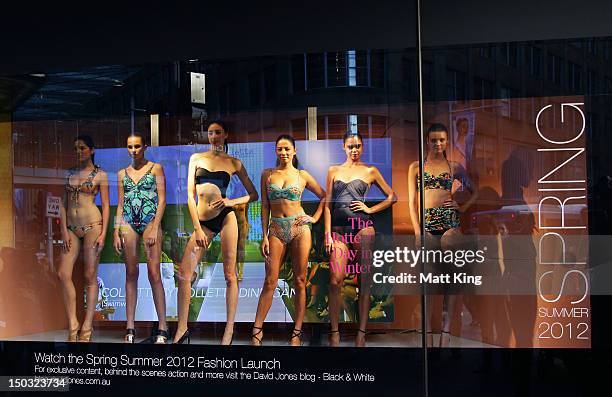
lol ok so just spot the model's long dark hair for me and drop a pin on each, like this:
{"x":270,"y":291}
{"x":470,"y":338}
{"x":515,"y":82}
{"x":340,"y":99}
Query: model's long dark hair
{"x":222,"y":125}
{"x":289,"y":138}
{"x":88,"y":141}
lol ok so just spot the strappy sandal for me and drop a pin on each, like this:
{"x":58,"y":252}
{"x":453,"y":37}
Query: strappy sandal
{"x":73,"y":334}
{"x":85,"y":335}
{"x":363,"y":331}
{"x":162,"y":337}
{"x":255,"y":336}
{"x":444,"y":337}
{"x":297,"y":333}
{"x":130,"y":335}
{"x":332,"y":332}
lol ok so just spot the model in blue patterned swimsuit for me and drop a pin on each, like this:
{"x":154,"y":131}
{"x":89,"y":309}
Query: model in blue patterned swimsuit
{"x":140,"y":208}
{"x":139,"y":200}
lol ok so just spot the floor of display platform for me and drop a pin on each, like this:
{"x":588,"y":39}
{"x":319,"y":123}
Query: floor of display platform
{"x":375,"y":338}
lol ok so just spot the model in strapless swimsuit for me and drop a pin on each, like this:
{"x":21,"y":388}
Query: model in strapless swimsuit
{"x":346,"y":217}
{"x":211,"y":213}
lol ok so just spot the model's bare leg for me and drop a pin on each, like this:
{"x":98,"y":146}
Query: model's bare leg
{"x":229,"y":243}
{"x":449,"y":241}
{"x":338,"y":259}
{"x":64,"y":273}
{"x":91,"y":255}
{"x":191,"y":257}
{"x":300,"y":249}
{"x":273,"y":262}
{"x":364,"y":256}
{"x":154,"y":272}
{"x":131,"y":241}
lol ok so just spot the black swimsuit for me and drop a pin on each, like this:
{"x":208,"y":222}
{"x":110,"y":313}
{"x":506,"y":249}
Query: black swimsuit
{"x":343,"y":193}
{"x":221,"y":179}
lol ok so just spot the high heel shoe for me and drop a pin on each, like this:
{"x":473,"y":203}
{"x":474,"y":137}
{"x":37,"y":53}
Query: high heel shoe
{"x":162,"y":337}
{"x":255,"y":336}
{"x":185,"y":337}
{"x":130,"y":335}
{"x":444,"y":339}
{"x":73,"y":334}
{"x":85,"y":335}
{"x":297,"y":333}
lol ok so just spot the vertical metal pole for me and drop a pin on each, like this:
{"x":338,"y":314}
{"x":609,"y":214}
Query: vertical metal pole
{"x":312,"y":123}
{"x":50,"y":242}
{"x":421,"y":142}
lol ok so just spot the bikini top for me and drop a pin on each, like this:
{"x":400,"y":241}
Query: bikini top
{"x":291,"y":192}
{"x":343,"y":193}
{"x":86,"y":187}
{"x":146,"y":182}
{"x":443,"y":180}
{"x":219,"y":178}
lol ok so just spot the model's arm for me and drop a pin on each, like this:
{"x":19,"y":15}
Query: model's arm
{"x":385,"y":188}
{"x":265,"y":213}
{"x":119,"y":223}
{"x":313,"y":186}
{"x":150,"y":237}
{"x":64,"y":222}
{"x":160,"y":180}
{"x":327,"y":211}
{"x":105,"y":209}
{"x":465,"y":180}
{"x":201,"y":238}
{"x":413,"y":198}
{"x":248,"y":185}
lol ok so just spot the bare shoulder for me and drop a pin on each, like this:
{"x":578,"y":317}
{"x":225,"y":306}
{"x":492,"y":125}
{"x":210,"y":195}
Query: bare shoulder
{"x":413,"y":165}
{"x":101,"y":175}
{"x":305,"y":174}
{"x":372,"y":169}
{"x":157,"y":167}
{"x":236,"y":164}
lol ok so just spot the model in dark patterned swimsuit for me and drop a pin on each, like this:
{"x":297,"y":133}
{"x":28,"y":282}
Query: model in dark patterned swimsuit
{"x":441,"y":221}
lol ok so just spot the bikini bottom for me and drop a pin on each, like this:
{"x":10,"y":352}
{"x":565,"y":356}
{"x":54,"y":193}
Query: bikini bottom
{"x":287,"y":228}
{"x":81,"y":231}
{"x":214,"y":224}
{"x":440,"y":219}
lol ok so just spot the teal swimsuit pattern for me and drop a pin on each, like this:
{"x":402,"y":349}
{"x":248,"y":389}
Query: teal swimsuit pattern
{"x":139,"y":200}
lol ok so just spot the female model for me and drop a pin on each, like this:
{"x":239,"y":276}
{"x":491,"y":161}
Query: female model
{"x":346,"y":214}
{"x":441,"y":210}
{"x":208,"y":177}
{"x":285,"y":225}
{"x":140,"y":209}
{"x":83,"y":225}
